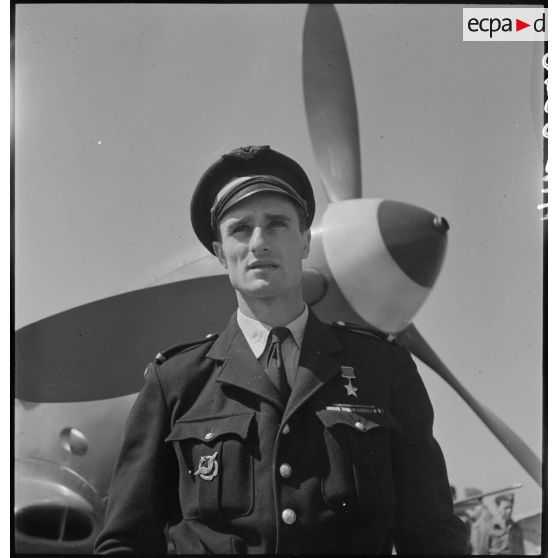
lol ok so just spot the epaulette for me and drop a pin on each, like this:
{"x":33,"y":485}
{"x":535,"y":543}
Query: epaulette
{"x":163,"y":356}
{"x":368,"y":330}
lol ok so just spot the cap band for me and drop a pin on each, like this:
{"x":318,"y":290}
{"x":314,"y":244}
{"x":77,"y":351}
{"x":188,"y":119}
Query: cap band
{"x":224,"y":199}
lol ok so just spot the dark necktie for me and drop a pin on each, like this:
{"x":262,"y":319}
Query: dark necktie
{"x":275,"y":366}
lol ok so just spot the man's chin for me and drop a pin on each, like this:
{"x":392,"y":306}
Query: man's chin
{"x":260,"y":288}
{"x":263,"y":290}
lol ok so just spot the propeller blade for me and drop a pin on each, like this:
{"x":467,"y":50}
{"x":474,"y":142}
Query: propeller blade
{"x":99,"y":350}
{"x":511,"y":441}
{"x":330,"y":103}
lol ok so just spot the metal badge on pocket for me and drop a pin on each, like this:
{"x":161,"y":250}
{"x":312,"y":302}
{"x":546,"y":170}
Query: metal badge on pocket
{"x":208,"y":467}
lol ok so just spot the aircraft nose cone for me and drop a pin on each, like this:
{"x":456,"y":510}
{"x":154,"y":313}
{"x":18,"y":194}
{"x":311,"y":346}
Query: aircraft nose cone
{"x":415,"y":238}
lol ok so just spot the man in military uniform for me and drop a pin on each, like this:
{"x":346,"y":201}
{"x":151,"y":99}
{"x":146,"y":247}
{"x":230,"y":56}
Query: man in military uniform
{"x":477,"y":518}
{"x":505,"y":535}
{"x":282,"y":434}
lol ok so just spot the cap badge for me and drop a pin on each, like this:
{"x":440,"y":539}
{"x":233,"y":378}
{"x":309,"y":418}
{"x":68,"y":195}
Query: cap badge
{"x":348,"y":372}
{"x":246,"y":152}
{"x":208,"y":467}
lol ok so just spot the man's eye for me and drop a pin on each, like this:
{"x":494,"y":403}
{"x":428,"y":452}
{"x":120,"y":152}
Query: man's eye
{"x":240,"y":229}
{"x":277,"y":223}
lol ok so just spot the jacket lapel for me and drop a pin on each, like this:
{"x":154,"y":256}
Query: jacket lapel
{"x":240,"y":367}
{"x":316,"y":365}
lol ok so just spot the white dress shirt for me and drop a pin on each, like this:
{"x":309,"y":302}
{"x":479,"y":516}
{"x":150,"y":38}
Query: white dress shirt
{"x":257,"y":335}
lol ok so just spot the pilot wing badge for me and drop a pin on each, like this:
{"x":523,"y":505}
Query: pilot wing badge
{"x":348,"y":372}
{"x":208,"y":467}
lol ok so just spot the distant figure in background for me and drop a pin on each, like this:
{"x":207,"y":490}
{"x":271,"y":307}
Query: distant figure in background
{"x":505,"y":535}
{"x":477,"y":518}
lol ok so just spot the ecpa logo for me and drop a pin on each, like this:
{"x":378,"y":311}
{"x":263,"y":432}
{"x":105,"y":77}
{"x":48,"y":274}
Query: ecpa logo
{"x":504,"y":24}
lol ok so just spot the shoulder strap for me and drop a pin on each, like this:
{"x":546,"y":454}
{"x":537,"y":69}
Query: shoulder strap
{"x":174,"y":350}
{"x":366,"y":330}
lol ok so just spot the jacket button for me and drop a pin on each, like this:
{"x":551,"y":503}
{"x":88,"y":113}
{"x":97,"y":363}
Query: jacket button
{"x":286,"y":429}
{"x":285,"y":470}
{"x":209,"y":436}
{"x":288,"y":516}
{"x":359,"y":425}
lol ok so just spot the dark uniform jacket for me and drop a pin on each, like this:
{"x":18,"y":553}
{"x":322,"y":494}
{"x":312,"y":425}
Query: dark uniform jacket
{"x":210,"y":451}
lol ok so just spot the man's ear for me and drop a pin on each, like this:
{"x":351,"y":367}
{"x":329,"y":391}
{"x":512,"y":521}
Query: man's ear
{"x":218,"y":250}
{"x":307,"y":237}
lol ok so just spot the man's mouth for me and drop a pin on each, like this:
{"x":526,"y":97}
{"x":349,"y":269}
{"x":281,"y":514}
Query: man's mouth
{"x":263,"y":265}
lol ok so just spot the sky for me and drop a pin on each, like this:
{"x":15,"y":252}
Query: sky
{"x":120,"y":108}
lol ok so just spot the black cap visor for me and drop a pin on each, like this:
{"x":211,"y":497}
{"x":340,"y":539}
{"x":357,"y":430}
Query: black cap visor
{"x":245,"y":187}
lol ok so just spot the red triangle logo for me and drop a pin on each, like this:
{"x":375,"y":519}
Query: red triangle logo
{"x":519,"y":25}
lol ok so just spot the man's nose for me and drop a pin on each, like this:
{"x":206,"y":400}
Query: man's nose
{"x":258,"y":241}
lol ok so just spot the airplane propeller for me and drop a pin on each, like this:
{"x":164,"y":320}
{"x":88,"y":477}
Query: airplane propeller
{"x":98,"y":350}
{"x":332,"y":121}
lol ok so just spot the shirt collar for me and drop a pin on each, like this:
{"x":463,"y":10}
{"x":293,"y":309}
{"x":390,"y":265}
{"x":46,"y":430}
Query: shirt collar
{"x":257,"y":332}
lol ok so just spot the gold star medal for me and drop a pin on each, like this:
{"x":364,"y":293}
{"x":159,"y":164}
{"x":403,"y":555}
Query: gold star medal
{"x":348,"y":372}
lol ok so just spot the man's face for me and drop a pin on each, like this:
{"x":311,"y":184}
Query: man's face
{"x":505,"y":510}
{"x":262,"y":246}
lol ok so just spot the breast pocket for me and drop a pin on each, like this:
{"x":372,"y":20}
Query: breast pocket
{"x":359,"y":473}
{"x":216,"y":465}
